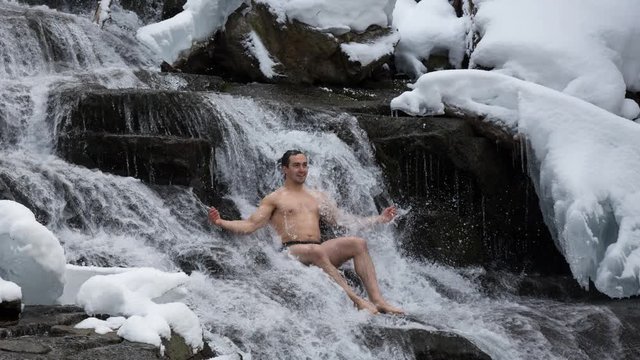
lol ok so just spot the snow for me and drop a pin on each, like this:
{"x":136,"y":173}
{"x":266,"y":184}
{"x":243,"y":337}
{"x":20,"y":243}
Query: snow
{"x":584,"y":161}
{"x":199,"y":20}
{"x":366,"y":53}
{"x":101,"y":326}
{"x":334,"y":16}
{"x":256,"y":48}
{"x":585,"y":48}
{"x":427,"y":28}
{"x":30,"y":255}
{"x":139,"y":295}
{"x":146,"y":329}
{"x":9,"y":291}
{"x":76,"y":275}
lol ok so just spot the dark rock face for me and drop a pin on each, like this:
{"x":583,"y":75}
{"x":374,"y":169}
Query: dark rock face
{"x":164,"y":138}
{"x":427,"y":345}
{"x":304,"y":55}
{"x":471,"y":201}
{"x":10,"y":312}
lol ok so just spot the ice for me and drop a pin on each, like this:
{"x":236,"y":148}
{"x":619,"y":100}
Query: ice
{"x":30,"y":255}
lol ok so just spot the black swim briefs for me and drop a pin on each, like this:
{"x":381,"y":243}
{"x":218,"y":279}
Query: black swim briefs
{"x":286,"y":245}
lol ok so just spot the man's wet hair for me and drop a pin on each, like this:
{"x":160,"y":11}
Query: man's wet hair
{"x":284,"y":161}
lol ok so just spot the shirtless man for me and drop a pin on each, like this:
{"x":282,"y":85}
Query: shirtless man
{"x":294,"y":211}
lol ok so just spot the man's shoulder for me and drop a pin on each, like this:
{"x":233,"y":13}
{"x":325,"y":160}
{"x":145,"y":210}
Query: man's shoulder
{"x":274,"y":196}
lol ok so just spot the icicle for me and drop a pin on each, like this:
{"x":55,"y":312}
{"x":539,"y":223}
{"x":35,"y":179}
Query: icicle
{"x":426,"y":175}
{"x":212,"y":165}
{"x":521,"y":138}
{"x":484,"y":224}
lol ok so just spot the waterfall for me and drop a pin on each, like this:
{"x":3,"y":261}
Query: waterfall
{"x":249,"y":296}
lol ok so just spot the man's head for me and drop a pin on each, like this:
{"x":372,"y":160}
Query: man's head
{"x":294,"y":166}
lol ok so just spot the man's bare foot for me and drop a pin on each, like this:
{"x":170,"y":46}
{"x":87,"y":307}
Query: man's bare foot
{"x":386,"y":308}
{"x":364,"y":304}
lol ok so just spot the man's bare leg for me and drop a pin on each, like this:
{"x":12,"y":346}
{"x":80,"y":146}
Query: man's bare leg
{"x":314,"y":255}
{"x":340,"y":250}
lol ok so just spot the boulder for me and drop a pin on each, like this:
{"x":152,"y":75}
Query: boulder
{"x":426,"y":344}
{"x":301,"y":53}
{"x":10,"y":312}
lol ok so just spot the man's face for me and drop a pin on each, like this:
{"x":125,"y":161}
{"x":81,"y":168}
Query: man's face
{"x":297,"y":169}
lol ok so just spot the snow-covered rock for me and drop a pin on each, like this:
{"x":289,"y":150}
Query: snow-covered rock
{"x":256,"y":46}
{"x":139,"y":295}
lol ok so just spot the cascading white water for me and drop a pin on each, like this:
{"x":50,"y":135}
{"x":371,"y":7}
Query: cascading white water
{"x":261,"y":302}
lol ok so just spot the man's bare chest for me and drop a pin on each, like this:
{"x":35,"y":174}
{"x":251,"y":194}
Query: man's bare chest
{"x":298,"y":207}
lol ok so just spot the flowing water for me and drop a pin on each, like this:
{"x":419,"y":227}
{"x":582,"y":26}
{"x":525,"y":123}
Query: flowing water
{"x":250,"y":297}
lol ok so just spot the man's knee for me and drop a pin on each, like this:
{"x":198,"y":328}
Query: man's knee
{"x":359,"y":244}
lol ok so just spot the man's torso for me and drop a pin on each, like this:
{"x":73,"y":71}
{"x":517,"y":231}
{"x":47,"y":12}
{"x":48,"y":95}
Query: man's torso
{"x":296,"y":216}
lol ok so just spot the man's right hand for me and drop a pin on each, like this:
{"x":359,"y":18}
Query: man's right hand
{"x":214,"y":216}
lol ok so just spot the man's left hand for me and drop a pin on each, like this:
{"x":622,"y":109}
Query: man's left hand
{"x":388,"y":214}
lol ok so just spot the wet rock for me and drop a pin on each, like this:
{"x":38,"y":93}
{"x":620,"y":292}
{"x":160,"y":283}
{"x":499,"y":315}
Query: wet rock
{"x":160,"y":137}
{"x":177,"y":349}
{"x":302,"y":54}
{"x":427,"y":344}
{"x":47,"y":332}
{"x":38,"y":319}
{"x":26,"y":346}
{"x":471,"y":200}
{"x":10,"y":312}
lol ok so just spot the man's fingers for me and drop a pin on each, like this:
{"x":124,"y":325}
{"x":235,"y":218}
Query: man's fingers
{"x":214,"y":214}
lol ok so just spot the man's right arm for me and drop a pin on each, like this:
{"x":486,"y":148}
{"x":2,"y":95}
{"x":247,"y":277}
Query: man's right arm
{"x":257,"y":220}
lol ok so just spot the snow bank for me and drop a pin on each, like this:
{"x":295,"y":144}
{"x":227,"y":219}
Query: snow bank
{"x":30,"y":255}
{"x":9,"y":291}
{"x":335,"y":16}
{"x":199,"y":20}
{"x":138,"y":294}
{"x":584,"y":161}
{"x":426,"y":28}
{"x":585,"y":48}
